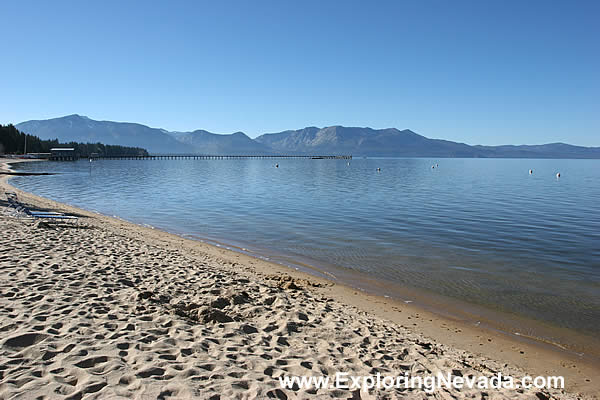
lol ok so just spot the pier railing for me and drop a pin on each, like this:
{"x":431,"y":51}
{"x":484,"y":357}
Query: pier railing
{"x":219,"y":157}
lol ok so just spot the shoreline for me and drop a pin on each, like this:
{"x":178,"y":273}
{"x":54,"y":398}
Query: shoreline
{"x":534,"y":357}
{"x":515,"y":326}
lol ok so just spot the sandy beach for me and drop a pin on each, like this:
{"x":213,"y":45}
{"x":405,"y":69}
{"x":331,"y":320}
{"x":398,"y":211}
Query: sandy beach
{"x":109,"y":309}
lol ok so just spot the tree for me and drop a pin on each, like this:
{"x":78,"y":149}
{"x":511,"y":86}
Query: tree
{"x":12,"y":141}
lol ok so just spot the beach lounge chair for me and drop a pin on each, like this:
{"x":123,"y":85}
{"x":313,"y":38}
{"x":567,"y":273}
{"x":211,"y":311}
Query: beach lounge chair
{"x":46,"y":215}
{"x":20,"y":207}
{"x":14,"y":202}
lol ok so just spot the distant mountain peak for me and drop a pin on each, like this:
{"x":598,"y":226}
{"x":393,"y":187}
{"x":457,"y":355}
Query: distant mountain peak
{"x":407,"y":131}
{"x":311,"y":140}
{"x":78,"y":128}
{"x":72,"y":116}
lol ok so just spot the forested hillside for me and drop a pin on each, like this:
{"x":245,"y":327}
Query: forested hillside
{"x":12,"y":141}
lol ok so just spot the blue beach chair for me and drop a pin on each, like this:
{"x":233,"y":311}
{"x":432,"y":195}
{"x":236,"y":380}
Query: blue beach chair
{"x":14,"y":202}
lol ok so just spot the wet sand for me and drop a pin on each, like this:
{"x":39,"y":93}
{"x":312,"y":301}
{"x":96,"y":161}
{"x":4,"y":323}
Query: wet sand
{"x":111,"y":309}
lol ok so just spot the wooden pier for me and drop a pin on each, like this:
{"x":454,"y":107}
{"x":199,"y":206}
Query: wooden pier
{"x":219,"y":157}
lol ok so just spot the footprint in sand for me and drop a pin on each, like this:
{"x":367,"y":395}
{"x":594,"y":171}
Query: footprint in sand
{"x":25,"y":340}
{"x":91,"y":362}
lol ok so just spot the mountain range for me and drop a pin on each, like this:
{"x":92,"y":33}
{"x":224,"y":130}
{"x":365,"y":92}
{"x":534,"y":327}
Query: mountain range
{"x":332,"y":140}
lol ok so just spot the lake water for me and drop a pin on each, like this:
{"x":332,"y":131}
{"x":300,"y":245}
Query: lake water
{"x":483,"y":231}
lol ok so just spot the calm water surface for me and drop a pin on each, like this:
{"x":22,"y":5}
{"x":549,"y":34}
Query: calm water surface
{"x":479,"y":230}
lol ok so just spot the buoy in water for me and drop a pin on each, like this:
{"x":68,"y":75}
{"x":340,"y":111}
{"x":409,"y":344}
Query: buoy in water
{"x":276,"y":165}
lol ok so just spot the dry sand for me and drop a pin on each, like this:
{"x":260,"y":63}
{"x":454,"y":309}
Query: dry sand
{"x":109,"y":309}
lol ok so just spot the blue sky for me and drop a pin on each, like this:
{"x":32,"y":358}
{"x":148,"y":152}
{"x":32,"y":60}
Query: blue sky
{"x":479,"y":72}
